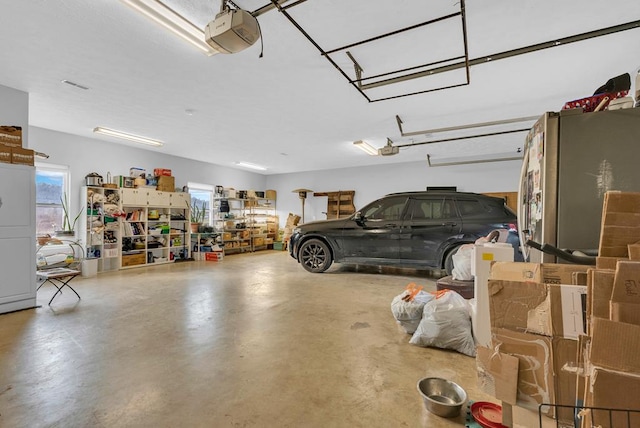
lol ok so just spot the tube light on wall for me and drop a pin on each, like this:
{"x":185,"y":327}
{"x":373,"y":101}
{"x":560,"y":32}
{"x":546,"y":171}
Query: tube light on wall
{"x":366,"y":147}
{"x":251,"y":166}
{"x":172,"y":21}
{"x":130,"y":137}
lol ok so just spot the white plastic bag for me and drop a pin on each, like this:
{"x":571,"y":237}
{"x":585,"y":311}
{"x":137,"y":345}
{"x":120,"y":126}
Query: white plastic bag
{"x":462,"y":263}
{"x":409,"y":313}
{"x":446,"y":324}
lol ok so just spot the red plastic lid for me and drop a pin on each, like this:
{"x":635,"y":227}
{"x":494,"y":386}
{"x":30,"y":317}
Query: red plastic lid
{"x":488,"y":415}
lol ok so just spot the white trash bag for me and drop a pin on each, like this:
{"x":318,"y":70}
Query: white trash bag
{"x":407,"y":307}
{"x":462,"y":263}
{"x":446,"y":324}
{"x":462,"y":258}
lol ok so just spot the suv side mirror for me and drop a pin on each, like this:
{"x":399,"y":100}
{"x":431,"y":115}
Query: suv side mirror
{"x":358,"y":218}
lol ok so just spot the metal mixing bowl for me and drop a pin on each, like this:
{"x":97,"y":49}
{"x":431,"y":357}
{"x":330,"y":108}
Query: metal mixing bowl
{"x":442,"y":397}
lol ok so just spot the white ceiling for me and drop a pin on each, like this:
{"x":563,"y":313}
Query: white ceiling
{"x":292,"y":110}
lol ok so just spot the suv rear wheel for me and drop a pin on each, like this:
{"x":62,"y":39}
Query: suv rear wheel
{"x":315,"y":256}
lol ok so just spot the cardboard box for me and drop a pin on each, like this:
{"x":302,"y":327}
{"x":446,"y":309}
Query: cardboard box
{"x":22,"y":156}
{"x":123,"y":181}
{"x":5,"y":154}
{"x":615,"y":346}
{"x":608,"y":262}
{"x":258,"y":242}
{"x":137,"y":172}
{"x":133,"y":259}
{"x":166,"y":184}
{"x":497,"y":374}
{"x":547,"y":309}
{"x":599,"y":294}
{"x":292,"y":220}
{"x":625,"y":297}
{"x":620,"y":223}
{"x":611,"y":390}
{"x":548,"y":273}
{"x":161,"y":171}
{"x":11,"y":136}
{"x":541,"y":378}
{"x":634,"y":251}
{"x":211,"y":257}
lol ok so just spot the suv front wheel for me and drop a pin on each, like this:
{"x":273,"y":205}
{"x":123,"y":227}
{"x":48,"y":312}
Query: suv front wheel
{"x":315,"y":256}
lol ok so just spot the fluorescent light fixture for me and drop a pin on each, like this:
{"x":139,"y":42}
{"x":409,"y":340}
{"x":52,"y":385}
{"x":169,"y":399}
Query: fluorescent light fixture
{"x":251,"y":165}
{"x":172,"y":21}
{"x":366,"y":147}
{"x":130,"y":137}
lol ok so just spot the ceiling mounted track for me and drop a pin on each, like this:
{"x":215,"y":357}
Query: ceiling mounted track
{"x":361,"y":83}
{"x":465,"y":137}
{"x":364,"y":83}
{"x":460,"y":127}
{"x":478,"y":159}
{"x":538,"y":46}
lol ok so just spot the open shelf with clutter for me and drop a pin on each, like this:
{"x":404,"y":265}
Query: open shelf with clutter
{"x":100,"y":227}
{"x":245,"y":220}
{"x":132,"y":227}
{"x":155,"y":227}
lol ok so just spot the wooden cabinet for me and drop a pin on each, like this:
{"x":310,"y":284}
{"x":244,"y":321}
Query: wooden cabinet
{"x":158,"y":199}
{"x":339,"y":204}
{"x":17,"y":237}
{"x":180,"y":200}
{"x":510,"y":198}
{"x":134,"y":197}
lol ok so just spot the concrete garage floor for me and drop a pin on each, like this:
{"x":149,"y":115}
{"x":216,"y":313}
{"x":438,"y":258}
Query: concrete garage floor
{"x":252,"y":341}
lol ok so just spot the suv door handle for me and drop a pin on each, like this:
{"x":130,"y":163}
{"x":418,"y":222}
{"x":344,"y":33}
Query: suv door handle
{"x":390,"y":225}
{"x":449,"y":223}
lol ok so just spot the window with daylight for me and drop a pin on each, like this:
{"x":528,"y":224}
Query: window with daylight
{"x":201,"y":196}
{"x":52,"y":185}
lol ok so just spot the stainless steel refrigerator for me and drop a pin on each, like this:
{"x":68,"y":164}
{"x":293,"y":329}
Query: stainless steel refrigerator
{"x":570,"y":160}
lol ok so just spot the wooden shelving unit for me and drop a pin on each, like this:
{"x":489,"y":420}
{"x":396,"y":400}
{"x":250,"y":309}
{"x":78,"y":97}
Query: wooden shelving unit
{"x":339,"y":204}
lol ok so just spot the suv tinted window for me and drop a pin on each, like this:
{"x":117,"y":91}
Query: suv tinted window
{"x":385,"y":209}
{"x":471,"y":208}
{"x":431,"y":209}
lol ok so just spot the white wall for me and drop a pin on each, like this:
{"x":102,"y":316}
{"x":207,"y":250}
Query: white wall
{"x":14,"y":110}
{"x":372,"y":182}
{"x":86,"y":155}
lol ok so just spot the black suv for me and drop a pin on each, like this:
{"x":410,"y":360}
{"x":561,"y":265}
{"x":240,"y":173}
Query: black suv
{"x":421,"y":230}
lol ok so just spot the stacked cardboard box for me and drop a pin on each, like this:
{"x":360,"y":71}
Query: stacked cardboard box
{"x":541,"y":315}
{"x":536,"y":315}
{"x":610,"y":364}
{"x":11,"y":150}
{"x":292,"y":222}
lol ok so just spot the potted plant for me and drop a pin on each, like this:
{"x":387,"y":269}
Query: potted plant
{"x":68,"y":225}
{"x":197,"y":215}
